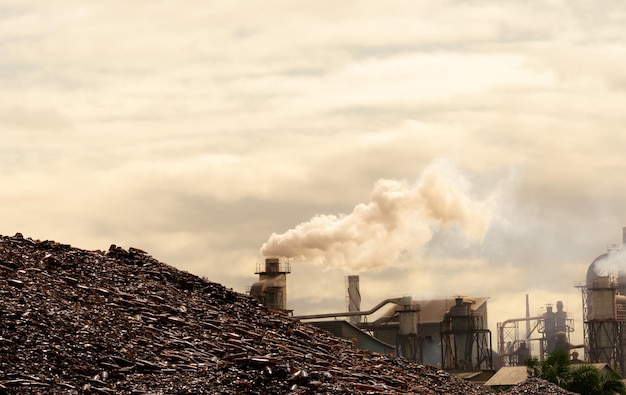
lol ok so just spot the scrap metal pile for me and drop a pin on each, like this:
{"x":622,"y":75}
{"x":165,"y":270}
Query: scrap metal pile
{"x":120,"y":322}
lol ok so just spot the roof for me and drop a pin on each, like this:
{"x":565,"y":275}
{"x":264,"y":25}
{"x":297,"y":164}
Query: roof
{"x":362,"y":340}
{"x":601,"y":366}
{"x":433,"y":310}
{"x":508,"y":375}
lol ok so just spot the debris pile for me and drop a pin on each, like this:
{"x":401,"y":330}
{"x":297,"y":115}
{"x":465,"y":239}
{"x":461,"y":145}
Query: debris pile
{"x":536,"y":385}
{"x":120,"y":322}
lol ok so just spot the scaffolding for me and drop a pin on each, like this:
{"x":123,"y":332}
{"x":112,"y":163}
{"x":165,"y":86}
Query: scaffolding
{"x":604,"y":322}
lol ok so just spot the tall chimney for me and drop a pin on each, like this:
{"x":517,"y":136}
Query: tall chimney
{"x":623,"y":236}
{"x":527,"y":316}
{"x":354,"y":298}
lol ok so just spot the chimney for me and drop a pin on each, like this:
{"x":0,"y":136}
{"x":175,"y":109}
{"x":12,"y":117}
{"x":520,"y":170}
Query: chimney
{"x":354,"y":298}
{"x":623,"y":236}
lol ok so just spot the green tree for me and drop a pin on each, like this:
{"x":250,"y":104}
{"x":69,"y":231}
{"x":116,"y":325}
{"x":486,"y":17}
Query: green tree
{"x":556,"y":368}
{"x":533,"y":367}
{"x":612,"y":383}
{"x":585,"y":380}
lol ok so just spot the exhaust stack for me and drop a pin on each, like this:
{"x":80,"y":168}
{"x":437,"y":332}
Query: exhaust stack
{"x":271,"y":289}
{"x":354,"y":298}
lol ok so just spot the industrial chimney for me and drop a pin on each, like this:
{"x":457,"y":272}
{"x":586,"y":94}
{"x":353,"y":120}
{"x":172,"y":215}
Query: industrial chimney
{"x":271,"y":289}
{"x":354,"y":298}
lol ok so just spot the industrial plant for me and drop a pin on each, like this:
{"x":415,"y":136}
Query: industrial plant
{"x":453,"y":334}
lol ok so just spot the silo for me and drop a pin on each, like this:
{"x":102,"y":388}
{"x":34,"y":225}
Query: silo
{"x":407,"y":339}
{"x":465,"y":342}
{"x":549,"y":322}
{"x":603,"y":327}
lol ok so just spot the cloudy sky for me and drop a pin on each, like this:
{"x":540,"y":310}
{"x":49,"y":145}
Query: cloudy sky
{"x":434,"y":148}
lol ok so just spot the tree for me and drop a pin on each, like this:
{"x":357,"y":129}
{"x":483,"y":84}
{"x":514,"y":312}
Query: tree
{"x":533,"y":367}
{"x":556,"y":368}
{"x":612,"y":383}
{"x":585,"y":380}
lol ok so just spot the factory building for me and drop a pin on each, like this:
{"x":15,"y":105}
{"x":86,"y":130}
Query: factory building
{"x":453,"y":333}
{"x":450,"y":333}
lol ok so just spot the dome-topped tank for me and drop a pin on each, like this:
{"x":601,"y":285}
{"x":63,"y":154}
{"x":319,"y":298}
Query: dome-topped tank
{"x":611,"y":264}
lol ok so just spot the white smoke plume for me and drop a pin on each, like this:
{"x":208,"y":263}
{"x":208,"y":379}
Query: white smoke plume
{"x":398,"y":219}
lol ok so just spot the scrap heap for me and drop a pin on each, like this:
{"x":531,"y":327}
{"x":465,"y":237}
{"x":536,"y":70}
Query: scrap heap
{"x":120,"y":322}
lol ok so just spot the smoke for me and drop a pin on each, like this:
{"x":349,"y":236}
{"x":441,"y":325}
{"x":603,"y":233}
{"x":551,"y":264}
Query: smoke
{"x":398,"y":220}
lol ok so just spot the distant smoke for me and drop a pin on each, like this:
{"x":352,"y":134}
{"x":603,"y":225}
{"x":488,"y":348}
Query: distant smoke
{"x":399,"y":219}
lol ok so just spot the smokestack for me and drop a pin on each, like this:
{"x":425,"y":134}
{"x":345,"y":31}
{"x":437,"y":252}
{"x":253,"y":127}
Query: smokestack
{"x":527,"y":316}
{"x":354,"y":298}
{"x":271,"y":289}
{"x":623,"y":236}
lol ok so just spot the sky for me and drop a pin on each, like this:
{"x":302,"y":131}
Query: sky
{"x":435,"y":149}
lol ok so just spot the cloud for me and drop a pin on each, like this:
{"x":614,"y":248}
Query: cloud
{"x":195,"y":132}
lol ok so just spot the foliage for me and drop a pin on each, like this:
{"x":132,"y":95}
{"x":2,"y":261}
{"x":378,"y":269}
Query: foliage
{"x":556,"y":368}
{"x":533,"y":367}
{"x":612,"y":383}
{"x":585,"y":379}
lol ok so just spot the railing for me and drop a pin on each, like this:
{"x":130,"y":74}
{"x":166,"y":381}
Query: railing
{"x":273,"y":267}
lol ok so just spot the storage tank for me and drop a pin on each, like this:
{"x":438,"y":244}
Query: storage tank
{"x":603,"y":308}
{"x":407,"y":340}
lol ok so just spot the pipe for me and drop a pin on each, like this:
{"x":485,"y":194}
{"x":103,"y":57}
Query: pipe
{"x":351,"y":313}
{"x":503,"y":324}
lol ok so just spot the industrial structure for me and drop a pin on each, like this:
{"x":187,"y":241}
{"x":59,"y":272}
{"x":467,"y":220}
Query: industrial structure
{"x":466,"y":341}
{"x":453,"y":333}
{"x":550,"y":330}
{"x":450,"y":333}
{"x":271,"y":289}
{"x":406,"y":334}
{"x":604,"y":307}
{"x":354,"y":298}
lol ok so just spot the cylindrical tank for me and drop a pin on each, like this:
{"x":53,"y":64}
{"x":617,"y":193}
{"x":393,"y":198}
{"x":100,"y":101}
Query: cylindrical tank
{"x":272,"y":265}
{"x":523,"y":354}
{"x":407,"y":317}
{"x":549,"y":320}
{"x":462,"y":331}
{"x":603,"y":306}
{"x":407,"y":340}
{"x":560,"y":318}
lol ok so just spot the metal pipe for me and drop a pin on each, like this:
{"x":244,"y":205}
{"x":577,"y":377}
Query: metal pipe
{"x":503,"y":324}
{"x":350,"y":313}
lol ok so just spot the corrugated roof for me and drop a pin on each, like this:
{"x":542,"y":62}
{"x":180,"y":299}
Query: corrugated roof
{"x":508,"y":375}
